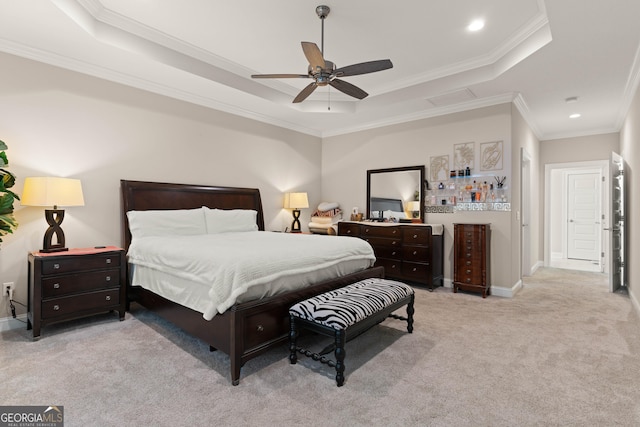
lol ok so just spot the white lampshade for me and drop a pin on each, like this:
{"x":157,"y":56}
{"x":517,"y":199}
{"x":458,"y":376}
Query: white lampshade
{"x":413,"y":206}
{"x":296,"y":201}
{"x":52,"y":191}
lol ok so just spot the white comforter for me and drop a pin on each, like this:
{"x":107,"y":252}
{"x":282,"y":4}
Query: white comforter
{"x":229,"y":264}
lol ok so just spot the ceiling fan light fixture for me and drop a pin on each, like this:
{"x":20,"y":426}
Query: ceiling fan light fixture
{"x":324,"y":72}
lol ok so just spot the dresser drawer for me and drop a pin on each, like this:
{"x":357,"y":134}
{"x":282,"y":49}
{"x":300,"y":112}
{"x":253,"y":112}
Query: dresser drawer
{"x":382,"y":242}
{"x":416,"y":271}
{"x":80,"y":262}
{"x":416,"y":253}
{"x":387,"y":252}
{"x":381,"y":231}
{"x":347,"y":229}
{"x":107,"y":299}
{"x":392,"y":267}
{"x":416,"y":236}
{"x":87,"y":281}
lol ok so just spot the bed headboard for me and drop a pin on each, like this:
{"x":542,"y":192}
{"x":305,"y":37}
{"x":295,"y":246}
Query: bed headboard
{"x":380,"y":204}
{"x":142,"y":196}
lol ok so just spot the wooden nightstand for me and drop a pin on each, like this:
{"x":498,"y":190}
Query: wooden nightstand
{"x":77,"y":283}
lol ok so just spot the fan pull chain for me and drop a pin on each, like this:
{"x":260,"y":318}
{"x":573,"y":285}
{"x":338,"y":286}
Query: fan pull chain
{"x":329,"y":104}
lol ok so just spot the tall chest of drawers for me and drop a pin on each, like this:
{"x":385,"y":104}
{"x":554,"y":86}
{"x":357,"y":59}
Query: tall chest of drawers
{"x":407,"y":252}
{"x":73,"y":284}
{"x":471,"y":257}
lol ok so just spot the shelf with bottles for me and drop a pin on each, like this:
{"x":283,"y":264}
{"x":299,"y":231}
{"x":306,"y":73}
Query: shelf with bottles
{"x":469,"y":193}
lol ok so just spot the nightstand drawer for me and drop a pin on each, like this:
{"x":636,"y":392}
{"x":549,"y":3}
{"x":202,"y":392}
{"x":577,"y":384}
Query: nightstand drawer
{"x":78,"y":303}
{"x":66,"y":264}
{"x":83,"y":282}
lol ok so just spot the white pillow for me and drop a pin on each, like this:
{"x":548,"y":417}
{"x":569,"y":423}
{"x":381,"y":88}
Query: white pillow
{"x":228,"y":220}
{"x":327,"y":206}
{"x":393,"y":214}
{"x":178,"y":222}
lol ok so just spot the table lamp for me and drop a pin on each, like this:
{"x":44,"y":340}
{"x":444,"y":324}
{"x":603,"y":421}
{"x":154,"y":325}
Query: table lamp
{"x":414,"y":208}
{"x":296,"y":201}
{"x":52,"y":191}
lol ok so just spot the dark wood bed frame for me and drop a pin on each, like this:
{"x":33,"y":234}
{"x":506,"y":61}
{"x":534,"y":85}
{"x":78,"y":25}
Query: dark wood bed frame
{"x":247,"y":329}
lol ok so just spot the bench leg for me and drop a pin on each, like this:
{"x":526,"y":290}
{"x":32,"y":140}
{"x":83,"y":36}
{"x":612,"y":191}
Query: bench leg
{"x":340,"y":354}
{"x":410,"y":311}
{"x":293,"y":337}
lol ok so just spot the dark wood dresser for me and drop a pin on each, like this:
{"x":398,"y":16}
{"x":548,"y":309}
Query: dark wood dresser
{"x":77,"y":283}
{"x":471,"y":257}
{"x":408,"y":252}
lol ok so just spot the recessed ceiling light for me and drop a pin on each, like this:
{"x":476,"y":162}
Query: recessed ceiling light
{"x":476,"y":25}
{"x":575,"y":115}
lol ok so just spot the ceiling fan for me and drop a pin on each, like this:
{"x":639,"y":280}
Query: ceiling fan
{"x":324,"y":72}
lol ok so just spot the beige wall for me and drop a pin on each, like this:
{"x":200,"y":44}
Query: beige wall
{"x":630,"y":151}
{"x":578,"y":149}
{"x":524,"y":139}
{"x":58,"y":122}
{"x":347,"y":158}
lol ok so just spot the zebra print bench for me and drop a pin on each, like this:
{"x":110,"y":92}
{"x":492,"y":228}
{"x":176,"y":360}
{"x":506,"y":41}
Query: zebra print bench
{"x":345,"y":313}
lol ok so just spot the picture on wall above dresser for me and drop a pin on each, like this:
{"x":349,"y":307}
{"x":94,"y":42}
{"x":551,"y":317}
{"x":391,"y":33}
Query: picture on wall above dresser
{"x":463,"y":156}
{"x":491,"y":156}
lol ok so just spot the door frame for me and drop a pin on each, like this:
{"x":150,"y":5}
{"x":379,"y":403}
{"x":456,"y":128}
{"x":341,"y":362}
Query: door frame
{"x":525,"y":225}
{"x":549,"y":168}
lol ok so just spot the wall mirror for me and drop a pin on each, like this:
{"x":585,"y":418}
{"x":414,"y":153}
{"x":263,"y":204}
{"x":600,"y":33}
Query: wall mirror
{"x":392,"y":193}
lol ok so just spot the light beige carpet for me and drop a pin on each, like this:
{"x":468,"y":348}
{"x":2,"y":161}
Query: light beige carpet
{"x":563,"y":352}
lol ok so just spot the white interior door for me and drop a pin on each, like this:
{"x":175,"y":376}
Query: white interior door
{"x":526,"y":212}
{"x":616,"y":228}
{"x":583,"y":215}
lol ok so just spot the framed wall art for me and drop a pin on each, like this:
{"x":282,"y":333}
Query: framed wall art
{"x":491,"y":156}
{"x":439,"y":167}
{"x":463,"y":155}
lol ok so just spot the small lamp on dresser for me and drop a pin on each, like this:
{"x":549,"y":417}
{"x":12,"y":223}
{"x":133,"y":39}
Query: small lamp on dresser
{"x":296,"y":201}
{"x":52,"y":191}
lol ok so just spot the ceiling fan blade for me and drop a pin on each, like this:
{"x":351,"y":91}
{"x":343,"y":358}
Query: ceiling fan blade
{"x":314,"y":56}
{"x":305,"y":92}
{"x":363,"y":68}
{"x":280,"y":76}
{"x":348,"y":88}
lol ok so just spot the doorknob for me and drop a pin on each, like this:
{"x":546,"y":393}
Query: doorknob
{"x":570,"y":220}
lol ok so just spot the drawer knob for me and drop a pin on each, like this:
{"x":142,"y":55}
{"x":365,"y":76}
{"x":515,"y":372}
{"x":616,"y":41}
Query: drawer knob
{"x":394,"y":253}
{"x":468,"y":280}
{"x":348,"y":231}
{"x":393,"y":266}
{"x":394,"y":243}
{"x":260,"y":328}
{"x":415,"y":252}
{"x":468,"y":262}
{"x":56,"y":266}
{"x":108,"y":297}
{"x":415,"y":236}
{"x":414,"y":269}
{"x":468,"y":255}
{"x":394,"y":231}
{"x":108,"y":278}
{"x":56,"y":286}
{"x":56,"y":307}
{"x":468,"y":271}
{"x":108,"y":260}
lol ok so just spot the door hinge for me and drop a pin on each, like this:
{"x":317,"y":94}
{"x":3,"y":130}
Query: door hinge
{"x":602,"y":178}
{"x":601,"y":254}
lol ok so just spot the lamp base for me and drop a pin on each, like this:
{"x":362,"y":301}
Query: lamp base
{"x":54,"y":218}
{"x":295,"y":227}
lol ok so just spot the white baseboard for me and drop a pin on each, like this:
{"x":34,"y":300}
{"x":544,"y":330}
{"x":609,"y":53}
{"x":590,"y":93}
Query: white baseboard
{"x":500,"y":291}
{"x":9,"y":323}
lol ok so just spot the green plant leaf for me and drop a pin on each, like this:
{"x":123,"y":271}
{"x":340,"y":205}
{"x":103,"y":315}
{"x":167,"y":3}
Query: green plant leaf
{"x":3,"y":159}
{"x":6,"y":203}
{"x":3,"y":146}
{"x":8,"y":179}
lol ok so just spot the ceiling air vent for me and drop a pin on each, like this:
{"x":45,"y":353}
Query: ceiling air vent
{"x":451,"y":98}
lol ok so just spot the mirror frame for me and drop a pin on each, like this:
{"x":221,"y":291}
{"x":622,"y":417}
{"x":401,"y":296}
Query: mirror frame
{"x":420,"y":169}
